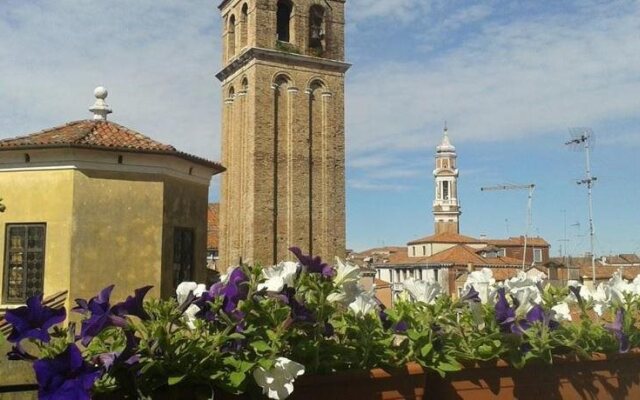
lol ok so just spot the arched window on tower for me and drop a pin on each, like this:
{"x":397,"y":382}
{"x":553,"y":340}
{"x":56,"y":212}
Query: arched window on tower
{"x":244,"y":25}
{"x":283,"y":16}
{"x":445,"y":190}
{"x":316,"y":28}
{"x":231,"y":36}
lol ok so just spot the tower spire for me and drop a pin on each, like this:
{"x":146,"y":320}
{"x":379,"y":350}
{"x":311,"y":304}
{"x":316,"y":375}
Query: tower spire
{"x":446,"y":209}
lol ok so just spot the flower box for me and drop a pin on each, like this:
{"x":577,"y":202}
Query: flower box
{"x":264,"y":332}
{"x":406,"y":383}
{"x":602,"y":378}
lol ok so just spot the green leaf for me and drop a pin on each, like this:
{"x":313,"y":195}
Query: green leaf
{"x":236,"y":336}
{"x":260,"y":346}
{"x":237,"y":379}
{"x":446,"y":367}
{"x":174,"y":380}
{"x":426,"y":349}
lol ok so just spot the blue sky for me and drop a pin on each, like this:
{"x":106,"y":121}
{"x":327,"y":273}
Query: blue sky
{"x":509,"y":77}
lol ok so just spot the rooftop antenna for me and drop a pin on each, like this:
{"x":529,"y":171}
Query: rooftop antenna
{"x":530,"y":187}
{"x":564,"y":240}
{"x":583,"y":139}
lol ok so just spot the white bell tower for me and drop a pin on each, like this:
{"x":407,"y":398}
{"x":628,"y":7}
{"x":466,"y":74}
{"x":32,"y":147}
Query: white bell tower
{"x":446,"y":208}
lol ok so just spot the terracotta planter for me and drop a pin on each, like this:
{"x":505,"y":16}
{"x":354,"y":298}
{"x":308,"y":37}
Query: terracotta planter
{"x":406,"y":383}
{"x":602,"y":378}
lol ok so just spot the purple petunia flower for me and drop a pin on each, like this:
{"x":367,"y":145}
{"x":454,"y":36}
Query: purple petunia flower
{"x":127,"y":356}
{"x":536,"y":314}
{"x":401,"y":327}
{"x":329,"y":330}
{"x":65,"y":377}
{"x":133,"y":305}
{"x":299,"y":312}
{"x":472,"y":296}
{"x":313,"y":264}
{"x":616,"y":328}
{"x":505,"y":315}
{"x":576,"y":292}
{"x":33,"y":320}
{"x":101,"y":316}
{"x":235,"y":289}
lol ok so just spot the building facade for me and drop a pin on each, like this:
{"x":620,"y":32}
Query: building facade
{"x":93,"y":203}
{"x":282,"y":130}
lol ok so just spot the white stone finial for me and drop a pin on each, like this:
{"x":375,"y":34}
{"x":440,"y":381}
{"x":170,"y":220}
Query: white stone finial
{"x":445,"y":145}
{"x":100,"y":109}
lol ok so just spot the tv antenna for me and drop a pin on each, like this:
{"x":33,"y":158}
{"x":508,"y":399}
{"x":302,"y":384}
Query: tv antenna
{"x":582,"y":139}
{"x":530,"y":187}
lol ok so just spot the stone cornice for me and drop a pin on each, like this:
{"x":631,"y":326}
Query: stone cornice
{"x":223,"y":3}
{"x":282,"y":57}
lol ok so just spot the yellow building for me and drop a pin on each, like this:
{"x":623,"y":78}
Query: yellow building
{"x":92,"y":203}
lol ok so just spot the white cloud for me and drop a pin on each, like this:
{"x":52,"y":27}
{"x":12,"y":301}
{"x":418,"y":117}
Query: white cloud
{"x":404,"y":10}
{"x":513,"y":79}
{"x":158,"y":60}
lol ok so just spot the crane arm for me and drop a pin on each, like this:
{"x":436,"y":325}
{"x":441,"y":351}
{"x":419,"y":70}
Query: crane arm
{"x":507,"y":187}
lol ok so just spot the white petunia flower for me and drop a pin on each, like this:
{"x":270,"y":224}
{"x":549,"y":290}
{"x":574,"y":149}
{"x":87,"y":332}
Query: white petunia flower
{"x":184,"y":288}
{"x":561,"y":312}
{"x":601,"y":299}
{"x":364,"y":304}
{"x":190,"y":315}
{"x":525,"y":290}
{"x":426,"y":291}
{"x":277,"y":383}
{"x":583,"y":292}
{"x":346,"y":273}
{"x":483,"y":282}
{"x":347,"y":293}
{"x":278,"y":276}
{"x":619,"y":287}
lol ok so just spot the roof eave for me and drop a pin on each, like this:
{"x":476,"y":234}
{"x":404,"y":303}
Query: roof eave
{"x":218,"y":168}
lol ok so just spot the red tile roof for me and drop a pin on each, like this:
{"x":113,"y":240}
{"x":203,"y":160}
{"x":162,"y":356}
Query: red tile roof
{"x":96,"y":134}
{"x":446,"y":237}
{"x":212,"y":225}
{"x":519,"y":242}
{"x":458,"y":255}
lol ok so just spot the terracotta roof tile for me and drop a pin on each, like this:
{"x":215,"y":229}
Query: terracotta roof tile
{"x":458,"y":255}
{"x":212,"y":225}
{"x":96,"y":134}
{"x":518,"y":241}
{"x":446,"y":237}
{"x":380,"y":283}
{"x":606,"y":272}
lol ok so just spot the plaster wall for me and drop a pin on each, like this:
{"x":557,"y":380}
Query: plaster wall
{"x":37,"y":197}
{"x":185,"y":206}
{"x":116,"y":233}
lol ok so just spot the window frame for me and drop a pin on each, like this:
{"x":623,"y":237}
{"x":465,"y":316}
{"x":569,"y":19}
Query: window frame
{"x":5,"y":271}
{"x":536,"y":252}
{"x":178,"y":231}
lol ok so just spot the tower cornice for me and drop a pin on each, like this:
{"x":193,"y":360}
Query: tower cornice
{"x":223,"y":3}
{"x":278,"y":56}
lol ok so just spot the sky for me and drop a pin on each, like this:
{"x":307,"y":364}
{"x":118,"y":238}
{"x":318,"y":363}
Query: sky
{"x":509,"y":77}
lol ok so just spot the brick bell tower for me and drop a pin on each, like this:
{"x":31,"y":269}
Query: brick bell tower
{"x":282,"y":130}
{"x":446,"y":208}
